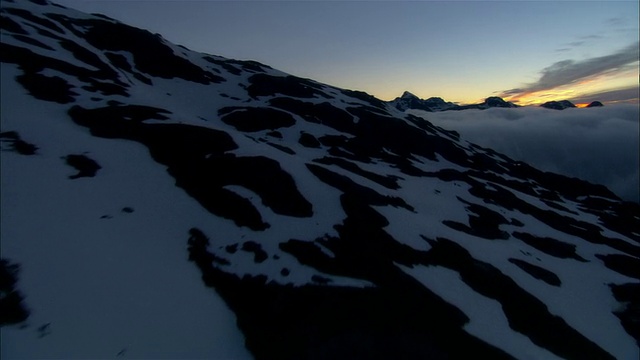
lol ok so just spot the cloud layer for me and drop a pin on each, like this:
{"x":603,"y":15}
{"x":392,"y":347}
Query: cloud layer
{"x":568,"y":72}
{"x":599,"y":145}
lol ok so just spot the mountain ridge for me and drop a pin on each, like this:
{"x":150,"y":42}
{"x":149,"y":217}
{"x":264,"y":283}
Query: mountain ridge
{"x":409,"y":101}
{"x":331,"y":223}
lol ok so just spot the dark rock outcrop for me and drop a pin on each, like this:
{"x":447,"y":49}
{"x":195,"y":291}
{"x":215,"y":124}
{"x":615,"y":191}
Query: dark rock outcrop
{"x":410,"y":101}
{"x":558,"y":105}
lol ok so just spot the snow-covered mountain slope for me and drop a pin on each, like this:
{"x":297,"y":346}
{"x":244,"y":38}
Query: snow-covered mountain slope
{"x":167,"y":203}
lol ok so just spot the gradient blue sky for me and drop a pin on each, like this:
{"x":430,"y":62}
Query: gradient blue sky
{"x":462,"y":51}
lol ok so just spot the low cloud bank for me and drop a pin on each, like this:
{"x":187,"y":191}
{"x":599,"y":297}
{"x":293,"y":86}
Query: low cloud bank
{"x":599,"y":145}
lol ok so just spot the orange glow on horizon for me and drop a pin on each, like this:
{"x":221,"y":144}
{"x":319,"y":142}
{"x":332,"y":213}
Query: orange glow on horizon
{"x":578,"y":90}
{"x":580,"y":93}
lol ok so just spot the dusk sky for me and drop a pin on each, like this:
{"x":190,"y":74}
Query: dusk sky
{"x":528,"y":52}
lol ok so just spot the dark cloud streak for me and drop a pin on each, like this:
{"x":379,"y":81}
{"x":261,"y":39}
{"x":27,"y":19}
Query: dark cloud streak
{"x":576,"y":43}
{"x":567,"y":72}
{"x":630,"y":95}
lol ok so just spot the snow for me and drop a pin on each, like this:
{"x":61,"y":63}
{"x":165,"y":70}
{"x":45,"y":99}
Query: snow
{"x":488,"y":322}
{"x":104,"y":284}
{"x":282,"y":229}
{"x":584,"y":287}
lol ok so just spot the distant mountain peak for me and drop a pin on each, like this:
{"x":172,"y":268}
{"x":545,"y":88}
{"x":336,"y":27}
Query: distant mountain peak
{"x":408,"y":95}
{"x":410,"y":101}
{"x":558,"y":105}
{"x":496,"y":101}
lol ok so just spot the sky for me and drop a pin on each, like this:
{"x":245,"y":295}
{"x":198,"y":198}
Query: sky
{"x":528,"y":52}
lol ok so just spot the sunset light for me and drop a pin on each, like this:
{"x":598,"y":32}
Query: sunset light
{"x":621,"y":81}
